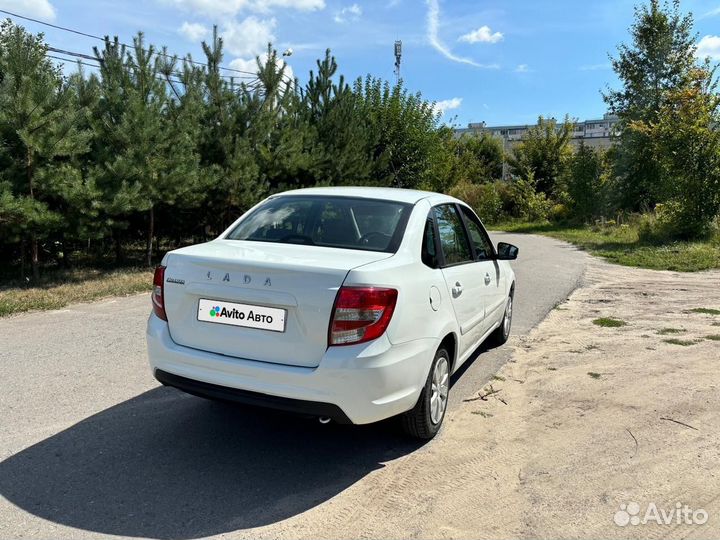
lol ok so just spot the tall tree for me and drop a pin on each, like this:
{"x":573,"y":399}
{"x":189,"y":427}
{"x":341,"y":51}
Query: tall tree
{"x":149,"y":156}
{"x":659,"y":59}
{"x":688,"y":142}
{"x":39,"y":133}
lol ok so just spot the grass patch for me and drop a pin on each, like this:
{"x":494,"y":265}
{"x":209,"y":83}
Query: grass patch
{"x":681,"y":342}
{"x":594,"y":375}
{"x":713,"y":337}
{"x":622,"y":245}
{"x":552,"y":369}
{"x":667,"y":331}
{"x":609,"y":322}
{"x":498,"y":378}
{"x":59,"y":289}
{"x":705,"y":311}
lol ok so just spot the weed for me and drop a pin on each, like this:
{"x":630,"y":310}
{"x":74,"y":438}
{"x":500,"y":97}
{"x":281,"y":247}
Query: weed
{"x":609,"y":322}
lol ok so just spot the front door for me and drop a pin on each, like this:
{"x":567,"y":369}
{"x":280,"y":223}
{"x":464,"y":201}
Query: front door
{"x":464,"y":280}
{"x":493,"y":292}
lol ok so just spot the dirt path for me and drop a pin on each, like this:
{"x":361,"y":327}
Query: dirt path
{"x":583,"y":419}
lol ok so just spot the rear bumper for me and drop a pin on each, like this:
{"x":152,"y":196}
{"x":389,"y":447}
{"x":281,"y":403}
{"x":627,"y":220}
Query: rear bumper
{"x":215,"y":391}
{"x":359,"y":384}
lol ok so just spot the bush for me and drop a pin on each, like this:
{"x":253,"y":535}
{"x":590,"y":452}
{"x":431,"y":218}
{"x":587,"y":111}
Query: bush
{"x":483,"y":198}
{"x":527,"y":202}
{"x":585,"y":182}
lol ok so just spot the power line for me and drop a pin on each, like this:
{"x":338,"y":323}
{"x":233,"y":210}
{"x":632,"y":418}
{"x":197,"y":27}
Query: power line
{"x":75,"y":61}
{"x":78,"y":32}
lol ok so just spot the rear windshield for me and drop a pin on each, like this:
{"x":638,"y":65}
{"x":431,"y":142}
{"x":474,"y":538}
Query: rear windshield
{"x":340,"y":222}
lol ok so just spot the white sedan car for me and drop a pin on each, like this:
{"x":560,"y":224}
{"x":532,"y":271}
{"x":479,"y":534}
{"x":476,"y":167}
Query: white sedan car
{"x":348,"y":304}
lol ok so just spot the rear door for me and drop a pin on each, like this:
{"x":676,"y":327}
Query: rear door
{"x":465,"y":283}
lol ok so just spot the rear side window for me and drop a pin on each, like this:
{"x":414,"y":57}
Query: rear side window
{"x":341,"y":222}
{"x":453,"y":240}
{"x":429,"y":251}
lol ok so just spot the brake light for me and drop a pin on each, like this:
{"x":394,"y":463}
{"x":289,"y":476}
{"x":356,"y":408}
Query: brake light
{"x":361,"y":314}
{"x":158,"y":293}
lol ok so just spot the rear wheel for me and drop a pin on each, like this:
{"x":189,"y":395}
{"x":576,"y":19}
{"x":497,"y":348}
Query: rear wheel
{"x":424,"y":420}
{"x":502,"y":332}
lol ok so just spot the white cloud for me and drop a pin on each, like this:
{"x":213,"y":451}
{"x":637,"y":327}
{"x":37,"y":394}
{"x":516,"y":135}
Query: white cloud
{"x":433,"y":22}
{"x":595,"y":67}
{"x":522,"y":68}
{"x":250,"y":66}
{"x":445,"y":105}
{"x":482,"y":35}
{"x":39,"y":9}
{"x":248,"y":37}
{"x":300,"y":5}
{"x":219,"y":9}
{"x":349,"y":13}
{"x":194,"y":31}
{"x":709,"y":46}
{"x":711,"y":13}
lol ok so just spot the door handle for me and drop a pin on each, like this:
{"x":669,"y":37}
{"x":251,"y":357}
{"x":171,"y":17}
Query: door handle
{"x":457,"y":289}
{"x":488,"y":279}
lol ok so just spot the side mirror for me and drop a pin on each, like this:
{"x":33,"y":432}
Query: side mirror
{"x":506,"y":252}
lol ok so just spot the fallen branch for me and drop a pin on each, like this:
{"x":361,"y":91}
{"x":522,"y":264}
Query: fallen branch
{"x":484,"y":396}
{"x":634,"y":439}
{"x":679,"y":422}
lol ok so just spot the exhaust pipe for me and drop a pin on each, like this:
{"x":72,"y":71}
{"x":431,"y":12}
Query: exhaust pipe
{"x":324,"y":419}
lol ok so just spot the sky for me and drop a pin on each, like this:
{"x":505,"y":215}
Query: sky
{"x":497,"y":61}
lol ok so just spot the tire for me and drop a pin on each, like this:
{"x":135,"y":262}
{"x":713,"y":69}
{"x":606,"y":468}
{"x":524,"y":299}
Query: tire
{"x":425,"y":419}
{"x":502,"y":332}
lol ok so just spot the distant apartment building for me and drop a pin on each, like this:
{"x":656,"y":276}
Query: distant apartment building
{"x":594,"y":133}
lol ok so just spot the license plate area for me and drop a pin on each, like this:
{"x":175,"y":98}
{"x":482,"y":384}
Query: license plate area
{"x":243,"y":315}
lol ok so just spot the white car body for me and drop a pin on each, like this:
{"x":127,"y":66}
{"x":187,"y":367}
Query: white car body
{"x":459,"y":305}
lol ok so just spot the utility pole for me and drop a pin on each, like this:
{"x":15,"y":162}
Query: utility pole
{"x":398,"y":58}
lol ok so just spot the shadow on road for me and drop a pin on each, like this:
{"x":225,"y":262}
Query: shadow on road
{"x":165,"y":465}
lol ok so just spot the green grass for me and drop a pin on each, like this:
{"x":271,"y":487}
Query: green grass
{"x":681,"y":342}
{"x":498,"y":378}
{"x":622,"y":245}
{"x":713,"y":337}
{"x":666,"y":331}
{"x":706,"y":311}
{"x":594,"y":375}
{"x":608,"y":322}
{"x":60,"y":288}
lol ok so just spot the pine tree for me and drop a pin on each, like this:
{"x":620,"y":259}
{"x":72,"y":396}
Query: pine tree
{"x":39,"y":130}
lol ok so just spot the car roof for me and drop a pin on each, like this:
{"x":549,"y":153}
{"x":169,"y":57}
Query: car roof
{"x":411,"y":196}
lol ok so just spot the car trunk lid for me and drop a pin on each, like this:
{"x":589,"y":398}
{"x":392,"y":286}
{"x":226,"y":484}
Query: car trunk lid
{"x":301,"y":280}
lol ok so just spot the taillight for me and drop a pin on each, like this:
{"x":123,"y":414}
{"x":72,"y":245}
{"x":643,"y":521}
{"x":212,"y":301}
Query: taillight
{"x":158,"y":293}
{"x":361,"y":314}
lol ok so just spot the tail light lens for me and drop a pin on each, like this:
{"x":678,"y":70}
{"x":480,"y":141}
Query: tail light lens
{"x":158,"y":293}
{"x":361,"y":314}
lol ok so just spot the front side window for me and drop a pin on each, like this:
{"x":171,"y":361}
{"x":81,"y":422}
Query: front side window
{"x":453,"y":240}
{"x":341,"y":222}
{"x":478,"y":236}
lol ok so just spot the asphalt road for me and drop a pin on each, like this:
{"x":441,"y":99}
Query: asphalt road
{"x":91,"y":445}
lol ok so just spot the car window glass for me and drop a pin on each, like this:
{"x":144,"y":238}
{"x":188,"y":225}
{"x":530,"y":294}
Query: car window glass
{"x":453,"y":240}
{"x":344,"y":222}
{"x":429,"y":253}
{"x":483,"y":247}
